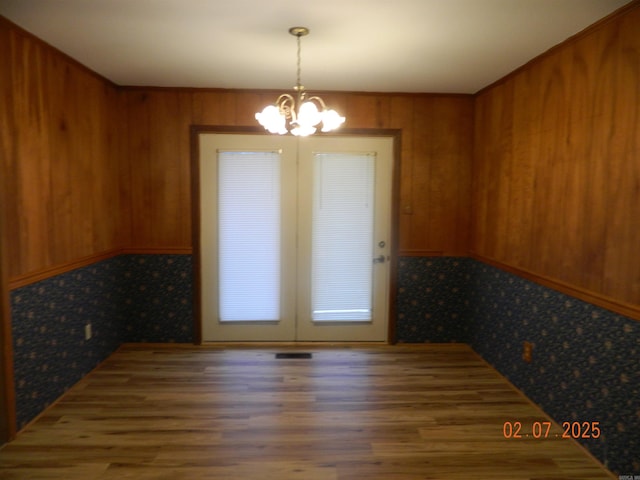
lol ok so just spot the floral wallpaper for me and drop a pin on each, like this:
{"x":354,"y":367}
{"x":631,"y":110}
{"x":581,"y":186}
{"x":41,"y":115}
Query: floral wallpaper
{"x":585,"y":364}
{"x":585,"y":360}
{"x":433,"y":300}
{"x":158,"y":301}
{"x":129,"y":298}
{"x":48,"y":331}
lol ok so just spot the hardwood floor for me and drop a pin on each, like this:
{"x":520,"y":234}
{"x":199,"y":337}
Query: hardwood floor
{"x":405,"y":412}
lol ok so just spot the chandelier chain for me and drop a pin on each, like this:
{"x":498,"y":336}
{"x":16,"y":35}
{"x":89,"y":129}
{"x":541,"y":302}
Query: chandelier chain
{"x":299,"y":84}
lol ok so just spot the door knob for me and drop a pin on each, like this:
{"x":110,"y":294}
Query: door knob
{"x":379,"y":259}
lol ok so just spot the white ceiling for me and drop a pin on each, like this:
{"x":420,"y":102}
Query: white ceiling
{"x":453,"y":46}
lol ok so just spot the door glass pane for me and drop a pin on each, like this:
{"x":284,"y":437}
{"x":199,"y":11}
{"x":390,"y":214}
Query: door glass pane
{"x":249,"y":236}
{"x":342,"y":237}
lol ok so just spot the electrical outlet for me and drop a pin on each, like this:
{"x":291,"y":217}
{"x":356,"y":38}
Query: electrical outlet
{"x":527,"y":351}
{"x":87,"y":331}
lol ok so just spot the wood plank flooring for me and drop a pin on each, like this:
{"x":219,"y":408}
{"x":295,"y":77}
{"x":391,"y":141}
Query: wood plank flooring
{"x":404,"y":412}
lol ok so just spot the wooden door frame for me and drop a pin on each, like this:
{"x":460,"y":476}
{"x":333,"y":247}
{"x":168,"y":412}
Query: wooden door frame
{"x":197,"y":130}
{"x":7,"y":387}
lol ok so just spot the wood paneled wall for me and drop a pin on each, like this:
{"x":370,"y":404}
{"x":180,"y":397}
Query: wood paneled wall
{"x":89,"y":167}
{"x":556,"y":189}
{"x":435,"y":159}
{"x":59,"y":145}
{"x":7,"y":394}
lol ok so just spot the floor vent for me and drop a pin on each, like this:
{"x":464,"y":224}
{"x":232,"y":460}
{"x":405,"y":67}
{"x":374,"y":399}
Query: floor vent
{"x":293,"y":355}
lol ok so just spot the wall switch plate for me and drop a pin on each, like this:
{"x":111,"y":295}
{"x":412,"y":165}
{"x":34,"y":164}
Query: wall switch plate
{"x":87,"y":331}
{"x":527,"y":351}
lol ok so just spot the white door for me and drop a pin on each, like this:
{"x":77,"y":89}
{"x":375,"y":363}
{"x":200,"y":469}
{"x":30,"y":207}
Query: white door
{"x":295,"y":237}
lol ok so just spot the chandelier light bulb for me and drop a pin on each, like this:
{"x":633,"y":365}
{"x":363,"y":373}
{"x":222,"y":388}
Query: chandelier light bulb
{"x":303,"y":130}
{"x":309,"y":114}
{"x":331,"y":120}
{"x":272,"y":120}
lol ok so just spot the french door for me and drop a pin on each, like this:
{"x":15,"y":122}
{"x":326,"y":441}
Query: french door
{"x":294,"y":237}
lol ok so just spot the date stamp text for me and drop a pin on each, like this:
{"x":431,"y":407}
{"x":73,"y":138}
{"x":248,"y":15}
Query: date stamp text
{"x":575,"y":430}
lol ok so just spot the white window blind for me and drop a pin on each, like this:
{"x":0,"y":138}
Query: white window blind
{"x":342,"y":237}
{"x":249,"y":235}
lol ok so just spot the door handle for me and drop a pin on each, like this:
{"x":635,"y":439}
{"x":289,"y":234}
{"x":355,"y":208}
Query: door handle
{"x":379,"y":259}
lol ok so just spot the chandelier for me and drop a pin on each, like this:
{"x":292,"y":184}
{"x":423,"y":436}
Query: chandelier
{"x":300,"y":114}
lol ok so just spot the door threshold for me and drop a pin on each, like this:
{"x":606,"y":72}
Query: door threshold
{"x":258,"y":344}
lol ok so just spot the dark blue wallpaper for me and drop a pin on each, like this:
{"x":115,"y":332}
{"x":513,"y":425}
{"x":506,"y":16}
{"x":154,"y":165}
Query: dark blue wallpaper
{"x":129,"y":298}
{"x":585,"y":364}
{"x":433,"y":300}
{"x":48,"y":322}
{"x":158,"y":299}
{"x":585,"y":359}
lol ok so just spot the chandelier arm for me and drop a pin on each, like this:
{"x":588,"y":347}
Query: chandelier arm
{"x":319,"y":100}
{"x":287,"y":105}
{"x":285,"y":99}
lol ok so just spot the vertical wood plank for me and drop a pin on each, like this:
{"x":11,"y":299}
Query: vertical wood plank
{"x":82,"y":128}
{"x":368,"y":111}
{"x":110,"y":227}
{"x":447,"y":176}
{"x":120,"y":152}
{"x":401,"y":117}
{"x":557,"y":217}
{"x":213,"y":108}
{"x":163,"y":184}
{"x":420,"y":218}
{"x":479,"y":167}
{"x":63,"y":231}
{"x":7,"y":191}
{"x":33,"y":174}
{"x":521,"y":205}
{"x":9,"y":149}
{"x":592,"y":81}
{"x":622,"y":262}
{"x":138,"y":154}
{"x":501,"y":145}
{"x":459,"y":132}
